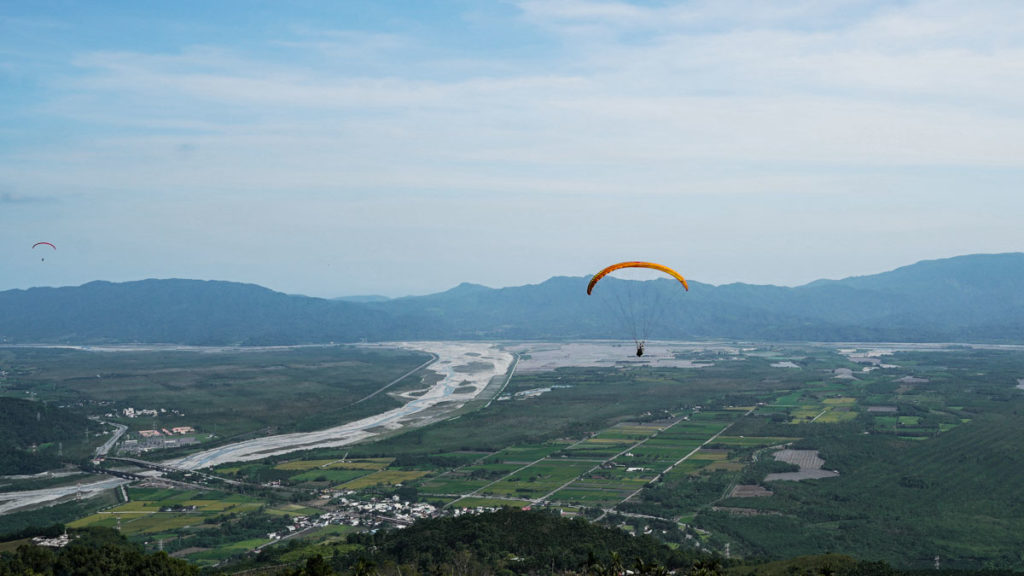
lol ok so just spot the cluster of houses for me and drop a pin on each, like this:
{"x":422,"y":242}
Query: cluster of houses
{"x":156,"y":443}
{"x":57,"y":542}
{"x":372,"y":514}
{"x":302,"y":523}
{"x":182,"y":430}
{"x":376,"y":512}
{"x":131,"y":412}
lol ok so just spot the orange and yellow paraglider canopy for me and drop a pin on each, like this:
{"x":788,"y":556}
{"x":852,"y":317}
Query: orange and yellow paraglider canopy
{"x":621,"y":265}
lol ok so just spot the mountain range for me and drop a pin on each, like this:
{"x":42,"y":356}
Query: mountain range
{"x":973,"y":298}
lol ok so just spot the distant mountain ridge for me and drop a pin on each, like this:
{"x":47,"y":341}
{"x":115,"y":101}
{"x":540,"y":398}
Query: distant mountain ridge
{"x":961,"y":299}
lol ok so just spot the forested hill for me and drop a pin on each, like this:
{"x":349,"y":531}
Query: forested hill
{"x":964,"y":299}
{"x":32,"y":435}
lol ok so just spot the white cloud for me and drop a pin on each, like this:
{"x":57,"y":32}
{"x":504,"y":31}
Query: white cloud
{"x":850,"y":95}
{"x":737,"y":122}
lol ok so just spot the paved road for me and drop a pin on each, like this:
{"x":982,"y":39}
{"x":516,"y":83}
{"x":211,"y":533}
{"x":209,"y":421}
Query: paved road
{"x":103,"y":450}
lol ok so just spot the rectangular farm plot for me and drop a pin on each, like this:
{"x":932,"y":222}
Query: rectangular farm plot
{"x":805,"y":413}
{"x":490,"y":503}
{"x":585,"y":496}
{"x":654,"y":455}
{"x":599,"y":448}
{"x":602,"y":440}
{"x":360,"y":464}
{"x":525,"y":454}
{"x":155,"y":493}
{"x":214,"y":505}
{"x":300,"y":465}
{"x":694,"y":430}
{"x":660,"y":449}
{"x":791,"y":399}
{"x":837,"y":415}
{"x":753,"y":441}
{"x":168,"y":503}
{"x":291,"y":510}
{"x":710,"y":454}
{"x":136,"y":507}
{"x":630,"y":432}
{"x":133,"y":522}
{"x":155,"y":523}
{"x":723,"y":465}
{"x":605,"y":487}
{"x":491,"y":471}
{"x":724,"y":416}
{"x":687,"y":467}
{"x":391,"y":477}
{"x":630,"y":476}
{"x":334,"y":464}
{"x":168,"y":510}
{"x":540,"y":479}
{"x":451,"y":485}
{"x":100,"y":520}
{"x":334,"y":476}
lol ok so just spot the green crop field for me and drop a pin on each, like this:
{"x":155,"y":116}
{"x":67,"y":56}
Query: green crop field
{"x":389,"y":477}
{"x":539,"y":479}
{"x":298,"y":465}
{"x":526,"y":453}
{"x":493,"y":470}
{"x":451,"y":485}
{"x":491,"y":503}
{"x":331,"y":476}
{"x":752,"y":441}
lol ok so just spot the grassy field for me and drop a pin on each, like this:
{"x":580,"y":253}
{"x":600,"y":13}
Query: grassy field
{"x":383,"y":477}
{"x":216,"y":525}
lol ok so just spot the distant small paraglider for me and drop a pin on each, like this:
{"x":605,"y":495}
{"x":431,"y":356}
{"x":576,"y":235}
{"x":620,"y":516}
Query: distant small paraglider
{"x":43,"y":244}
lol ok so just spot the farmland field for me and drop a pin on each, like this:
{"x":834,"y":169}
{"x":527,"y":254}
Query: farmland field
{"x":926,"y":449}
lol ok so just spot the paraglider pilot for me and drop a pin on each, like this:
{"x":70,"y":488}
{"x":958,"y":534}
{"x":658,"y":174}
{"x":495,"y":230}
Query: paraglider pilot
{"x":639,"y":348}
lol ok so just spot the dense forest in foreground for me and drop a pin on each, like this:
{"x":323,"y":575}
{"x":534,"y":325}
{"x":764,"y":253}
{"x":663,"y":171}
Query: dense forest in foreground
{"x":503,"y":543}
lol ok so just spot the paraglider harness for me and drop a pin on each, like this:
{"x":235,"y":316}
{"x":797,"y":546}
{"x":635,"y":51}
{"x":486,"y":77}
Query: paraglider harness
{"x":639,"y":348}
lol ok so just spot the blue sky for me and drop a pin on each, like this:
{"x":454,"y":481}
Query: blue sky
{"x":338,"y":148}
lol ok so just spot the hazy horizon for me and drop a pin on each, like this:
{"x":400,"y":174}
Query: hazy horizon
{"x":582,"y":278}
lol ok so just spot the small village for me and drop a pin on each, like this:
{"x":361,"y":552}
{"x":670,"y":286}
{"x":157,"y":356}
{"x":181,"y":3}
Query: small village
{"x":372,"y":514}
